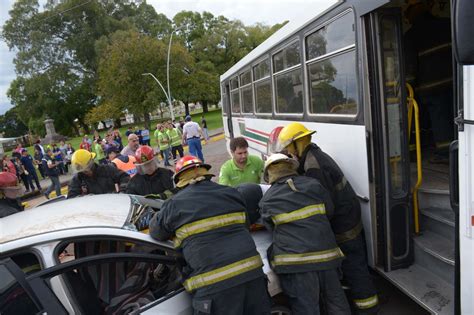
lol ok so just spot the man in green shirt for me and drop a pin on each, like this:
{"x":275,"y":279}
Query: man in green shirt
{"x":163,"y":141}
{"x":242,"y":168}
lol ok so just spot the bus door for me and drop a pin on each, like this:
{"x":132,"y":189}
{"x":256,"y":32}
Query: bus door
{"x":389,"y":130}
{"x":227,"y":109}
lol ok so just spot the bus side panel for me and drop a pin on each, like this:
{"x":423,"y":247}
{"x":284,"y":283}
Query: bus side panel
{"x":466,"y":196}
{"x":346,"y":144}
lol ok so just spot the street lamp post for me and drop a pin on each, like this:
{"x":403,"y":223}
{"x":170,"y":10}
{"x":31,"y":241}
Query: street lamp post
{"x":168,"y":72}
{"x":164,"y":91}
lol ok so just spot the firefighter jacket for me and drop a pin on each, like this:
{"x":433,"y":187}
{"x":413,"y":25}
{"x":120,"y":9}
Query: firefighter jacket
{"x":155,"y":184}
{"x":102,"y":181}
{"x":9,"y":206}
{"x":346,"y":219}
{"x":294,"y":209}
{"x":207,"y":222}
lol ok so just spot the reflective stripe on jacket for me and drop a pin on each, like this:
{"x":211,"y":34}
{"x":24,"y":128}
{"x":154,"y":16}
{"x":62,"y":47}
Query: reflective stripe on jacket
{"x":207,"y":222}
{"x":128,"y":167}
{"x":294,"y":208}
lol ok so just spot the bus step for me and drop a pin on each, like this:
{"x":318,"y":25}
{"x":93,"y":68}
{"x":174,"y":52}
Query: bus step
{"x":440,"y":221}
{"x":436,"y":254}
{"x":434,"y":198}
{"x":424,"y":287}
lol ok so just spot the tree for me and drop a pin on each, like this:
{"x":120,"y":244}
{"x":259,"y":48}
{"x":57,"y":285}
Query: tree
{"x":11,"y":126}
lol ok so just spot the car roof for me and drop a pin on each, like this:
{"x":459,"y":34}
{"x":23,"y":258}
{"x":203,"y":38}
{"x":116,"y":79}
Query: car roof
{"x":109,"y":210}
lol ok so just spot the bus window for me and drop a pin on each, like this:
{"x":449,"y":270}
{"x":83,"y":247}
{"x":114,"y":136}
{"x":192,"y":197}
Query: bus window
{"x":246,"y":89}
{"x":288,"y":80}
{"x":234,"y":95}
{"x":262,"y":87}
{"x":331,"y":68}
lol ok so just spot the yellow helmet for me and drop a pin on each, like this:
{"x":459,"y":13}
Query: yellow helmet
{"x":292,"y":132}
{"x":277,"y":158}
{"x":82,"y":160}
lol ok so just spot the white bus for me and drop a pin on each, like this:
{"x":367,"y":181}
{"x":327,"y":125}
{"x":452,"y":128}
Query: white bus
{"x":343,"y":72}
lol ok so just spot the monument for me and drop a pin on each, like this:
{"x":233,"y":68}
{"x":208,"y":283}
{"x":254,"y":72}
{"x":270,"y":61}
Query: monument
{"x":51,"y":135}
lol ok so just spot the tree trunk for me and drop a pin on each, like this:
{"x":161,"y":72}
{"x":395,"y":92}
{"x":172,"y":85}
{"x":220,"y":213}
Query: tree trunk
{"x":84,"y":126}
{"x":76,"y":130}
{"x":205,"y":108}
{"x":104,"y":124}
{"x":136,"y":119}
{"x":117,"y":123}
{"x":186,"y":108}
{"x":146,"y":119}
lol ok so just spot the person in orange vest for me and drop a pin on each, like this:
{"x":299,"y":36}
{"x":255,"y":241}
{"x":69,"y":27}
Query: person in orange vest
{"x":150,"y":180}
{"x":122,"y":162}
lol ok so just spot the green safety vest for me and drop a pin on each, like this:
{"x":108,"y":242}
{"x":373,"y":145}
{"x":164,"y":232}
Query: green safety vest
{"x":175,"y":137}
{"x":163,"y":140}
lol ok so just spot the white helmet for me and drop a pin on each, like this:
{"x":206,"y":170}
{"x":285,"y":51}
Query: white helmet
{"x":276,"y":158}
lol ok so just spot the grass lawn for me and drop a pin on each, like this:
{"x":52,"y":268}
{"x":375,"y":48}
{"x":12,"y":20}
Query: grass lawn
{"x":213,"y":118}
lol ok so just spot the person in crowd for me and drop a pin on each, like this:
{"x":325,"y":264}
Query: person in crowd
{"x":181,"y":123}
{"x":58,"y":157}
{"x":117,"y":137}
{"x":150,"y":179}
{"x":224,"y":270}
{"x":192,"y":134}
{"x":175,"y":137}
{"x":85,"y":145}
{"x":63,"y":148}
{"x":304,"y":252}
{"x":39,"y":147}
{"x":68,"y":156}
{"x":295,"y":139}
{"x":129,"y":131}
{"x":132,"y":145}
{"x":20,"y":171}
{"x":90,"y":178}
{"x":122,"y":162}
{"x":18,"y":148}
{"x":97,"y":136}
{"x":242,"y":168}
{"x":163,"y":141}
{"x":37,"y":157}
{"x":50,"y":165}
{"x":145,"y":136}
{"x":9,"y":193}
{"x":204,"y":128}
{"x":29,"y":170}
{"x":138,"y":132}
{"x":8,"y":165}
{"x":99,"y":152}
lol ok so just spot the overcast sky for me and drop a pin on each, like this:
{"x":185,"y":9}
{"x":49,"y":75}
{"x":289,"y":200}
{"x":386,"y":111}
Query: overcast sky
{"x":248,"y":11}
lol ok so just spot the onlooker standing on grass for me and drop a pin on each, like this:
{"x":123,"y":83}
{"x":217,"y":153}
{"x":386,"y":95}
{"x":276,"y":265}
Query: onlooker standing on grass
{"x":145,"y":136}
{"x":8,"y":165}
{"x":99,"y":152}
{"x":58,"y":157}
{"x":37,"y":157}
{"x":132,"y":145}
{"x":204,"y":128}
{"x":85,"y":145}
{"x":118,"y":138}
{"x":176,"y":141}
{"x":39,"y":147}
{"x":20,"y":171}
{"x":29,"y":169}
{"x":69,"y":152}
{"x":138,"y":132}
{"x":18,"y":148}
{"x":192,"y":134}
{"x":50,"y":165}
{"x":163,"y":143}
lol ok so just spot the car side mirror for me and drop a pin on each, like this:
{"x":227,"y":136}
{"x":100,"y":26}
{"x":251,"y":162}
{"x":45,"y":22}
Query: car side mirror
{"x":462,"y":30}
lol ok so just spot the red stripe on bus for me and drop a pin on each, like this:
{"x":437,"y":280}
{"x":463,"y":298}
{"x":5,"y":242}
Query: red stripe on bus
{"x":258,"y":131}
{"x":257,"y":142}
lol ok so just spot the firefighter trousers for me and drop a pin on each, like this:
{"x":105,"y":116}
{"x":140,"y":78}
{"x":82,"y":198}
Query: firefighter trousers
{"x":357,"y":276}
{"x":250,"y":298}
{"x":305,"y":288}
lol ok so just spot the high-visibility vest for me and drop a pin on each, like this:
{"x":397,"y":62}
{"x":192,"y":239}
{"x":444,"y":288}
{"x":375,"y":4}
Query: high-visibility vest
{"x":175,"y":137}
{"x":163,"y":140}
{"x":128,"y":167}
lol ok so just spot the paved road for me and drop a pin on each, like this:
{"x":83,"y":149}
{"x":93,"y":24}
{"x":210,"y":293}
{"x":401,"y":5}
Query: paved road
{"x":393,"y":301}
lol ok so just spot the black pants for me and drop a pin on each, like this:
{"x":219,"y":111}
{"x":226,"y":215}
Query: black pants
{"x":175,"y":150}
{"x":357,"y":276}
{"x":34,"y":176}
{"x":250,"y":298}
{"x":305,"y":288}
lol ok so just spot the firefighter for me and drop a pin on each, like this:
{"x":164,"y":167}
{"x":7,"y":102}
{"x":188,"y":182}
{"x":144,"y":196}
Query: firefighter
{"x":91,"y":178}
{"x":304,"y":252}
{"x":207,"y":222}
{"x":346,"y":223}
{"x":150,"y":178}
{"x":9,"y":193}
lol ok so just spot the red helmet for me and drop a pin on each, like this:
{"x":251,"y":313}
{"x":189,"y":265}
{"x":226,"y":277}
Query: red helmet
{"x":144,"y":154}
{"x":145,"y":160}
{"x":8,"y":180}
{"x":187,"y":162}
{"x":272,"y":145}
